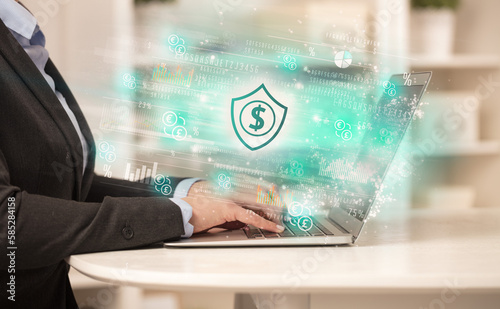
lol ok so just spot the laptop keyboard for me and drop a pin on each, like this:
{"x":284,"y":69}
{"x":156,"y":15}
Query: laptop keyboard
{"x":291,"y":230}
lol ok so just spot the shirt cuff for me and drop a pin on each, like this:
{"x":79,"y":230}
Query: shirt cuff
{"x":182,"y":189}
{"x":187,"y":213}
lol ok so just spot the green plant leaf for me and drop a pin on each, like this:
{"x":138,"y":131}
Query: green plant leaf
{"x":435,"y":4}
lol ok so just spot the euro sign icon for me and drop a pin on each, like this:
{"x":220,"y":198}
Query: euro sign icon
{"x":257,"y":118}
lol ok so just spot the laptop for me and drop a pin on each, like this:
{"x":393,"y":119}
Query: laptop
{"x":357,"y":177}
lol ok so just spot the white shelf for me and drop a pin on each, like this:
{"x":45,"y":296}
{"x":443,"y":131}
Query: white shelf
{"x":458,"y":61}
{"x":468,"y":149}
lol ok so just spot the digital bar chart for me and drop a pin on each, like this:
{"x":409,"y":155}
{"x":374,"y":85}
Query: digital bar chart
{"x":274,"y":199}
{"x":162,"y":74}
{"x":141,"y":174}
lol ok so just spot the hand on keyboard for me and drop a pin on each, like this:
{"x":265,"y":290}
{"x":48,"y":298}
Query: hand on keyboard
{"x":210,"y":210}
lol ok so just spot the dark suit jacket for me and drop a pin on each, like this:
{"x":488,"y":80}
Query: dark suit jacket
{"x":59,"y":211}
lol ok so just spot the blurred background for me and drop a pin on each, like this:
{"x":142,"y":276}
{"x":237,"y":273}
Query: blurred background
{"x":454,"y":140}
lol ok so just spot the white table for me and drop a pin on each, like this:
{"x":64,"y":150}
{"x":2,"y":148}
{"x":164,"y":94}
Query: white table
{"x":414,"y":259}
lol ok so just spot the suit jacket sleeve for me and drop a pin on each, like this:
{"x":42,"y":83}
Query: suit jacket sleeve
{"x":102,"y":187}
{"x":50,"y":229}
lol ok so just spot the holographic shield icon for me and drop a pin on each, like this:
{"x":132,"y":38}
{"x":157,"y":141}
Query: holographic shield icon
{"x":257,"y":118}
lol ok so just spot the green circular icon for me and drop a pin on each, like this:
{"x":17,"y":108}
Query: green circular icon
{"x":295,"y":209}
{"x":103,"y":147}
{"x":253,"y":117}
{"x":305,"y":223}
{"x":160,"y":179}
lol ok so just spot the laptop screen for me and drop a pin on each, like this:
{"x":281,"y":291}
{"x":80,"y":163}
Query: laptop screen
{"x":389,"y":123}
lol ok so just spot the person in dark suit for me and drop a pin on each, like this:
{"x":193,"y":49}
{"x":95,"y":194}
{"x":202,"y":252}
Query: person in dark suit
{"x":52,"y":205}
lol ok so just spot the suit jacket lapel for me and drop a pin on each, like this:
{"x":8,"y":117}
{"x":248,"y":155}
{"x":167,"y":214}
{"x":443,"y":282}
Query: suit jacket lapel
{"x":63,"y":88}
{"x":26,"y":69}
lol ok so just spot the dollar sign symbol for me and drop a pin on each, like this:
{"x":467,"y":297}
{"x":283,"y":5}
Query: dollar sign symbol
{"x":259,"y":122}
